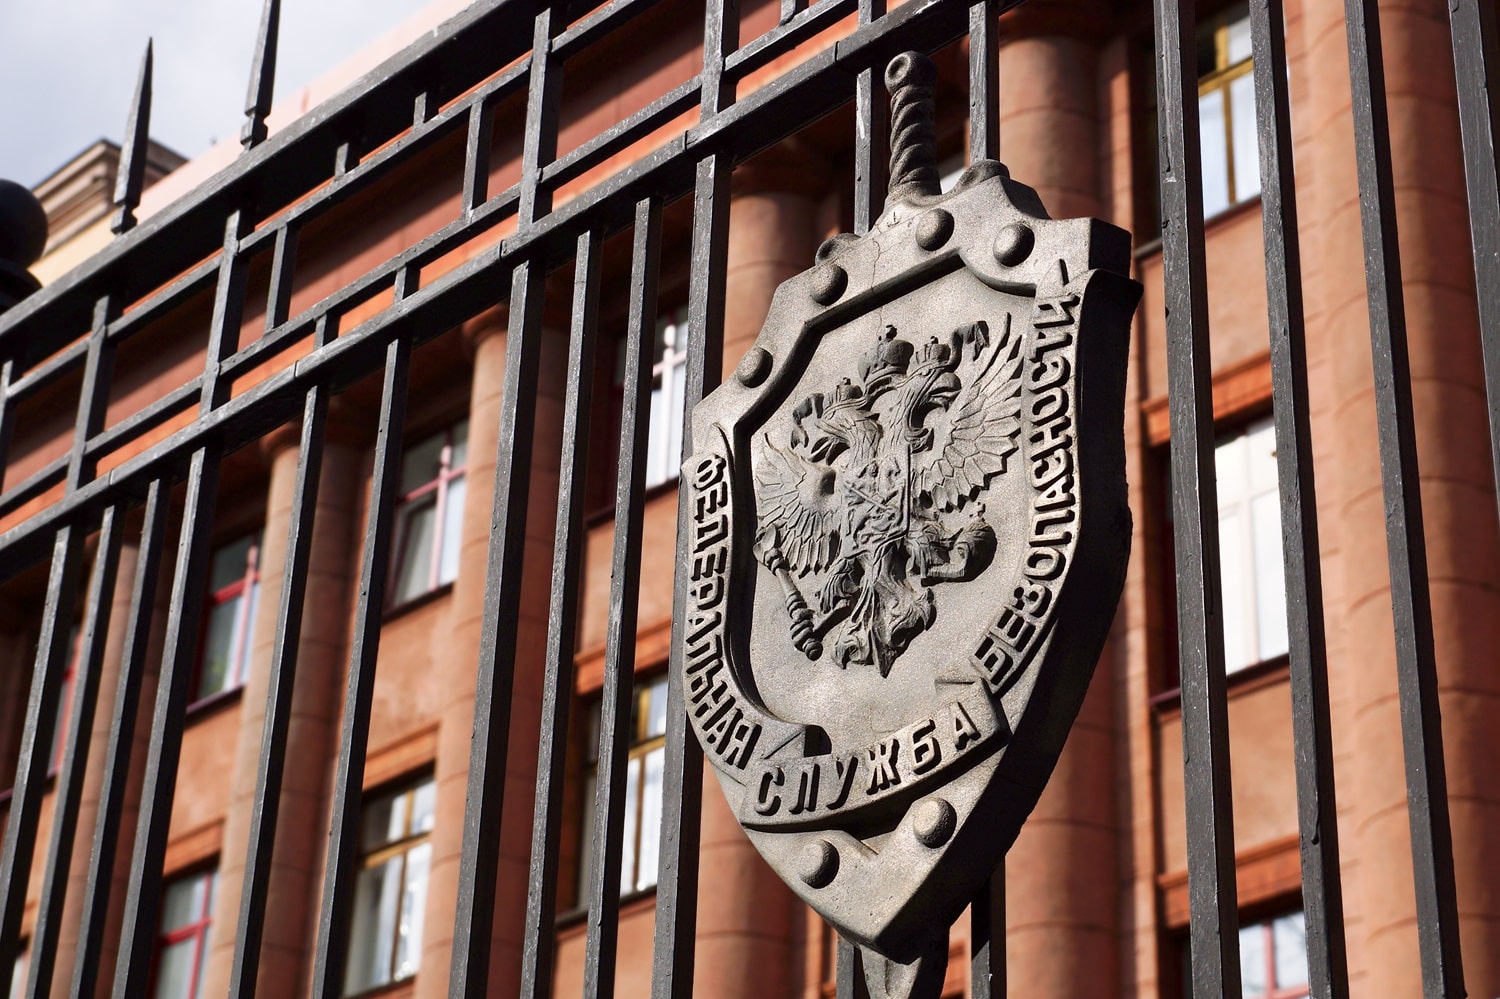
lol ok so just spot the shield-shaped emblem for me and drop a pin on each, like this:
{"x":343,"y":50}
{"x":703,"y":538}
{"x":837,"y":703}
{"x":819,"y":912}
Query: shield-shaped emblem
{"x":907,"y":536}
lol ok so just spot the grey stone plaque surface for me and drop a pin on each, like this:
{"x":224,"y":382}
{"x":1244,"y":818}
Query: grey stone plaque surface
{"x":907,"y":537}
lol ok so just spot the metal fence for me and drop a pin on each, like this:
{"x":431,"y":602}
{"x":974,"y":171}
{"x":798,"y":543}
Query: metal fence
{"x":447,"y":85}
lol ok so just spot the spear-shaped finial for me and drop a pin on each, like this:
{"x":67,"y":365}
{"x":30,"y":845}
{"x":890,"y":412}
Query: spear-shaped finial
{"x":132,"y":175}
{"x":262,"y":77}
{"x":911,"y":78}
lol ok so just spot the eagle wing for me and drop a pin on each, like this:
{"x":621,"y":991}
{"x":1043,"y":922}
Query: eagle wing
{"x":799,"y":512}
{"x":982,"y":428}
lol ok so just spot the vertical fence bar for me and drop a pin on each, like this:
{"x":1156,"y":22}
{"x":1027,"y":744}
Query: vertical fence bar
{"x":872,"y":123}
{"x":479,"y":862}
{"x":133,"y":969}
{"x":849,"y":972}
{"x":562,"y":619}
{"x":1317,"y":810}
{"x":43,"y":948}
{"x":1200,"y":629}
{"x":674,"y":950}
{"x":682,"y":769}
{"x":7,"y":415}
{"x":273,"y":742}
{"x":1416,"y":666}
{"x":343,"y":836}
{"x":1476,"y":63}
{"x":477,"y":157}
{"x":624,"y":594}
{"x":53,"y":651}
{"x":984,"y":81}
{"x":987,"y":939}
{"x":122,"y":732}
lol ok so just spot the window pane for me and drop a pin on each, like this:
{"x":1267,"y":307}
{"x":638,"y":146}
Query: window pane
{"x":413,"y":905}
{"x":247,"y":636}
{"x":1270,"y":577}
{"x":383,"y":821}
{"x":453,"y":522}
{"x":1290,"y":936}
{"x":650,"y":818}
{"x":1234,"y":570}
{"x":676,"y":398}
{"x":586,"y":839}
{"x":421,"y":462}
{"x":632,"y":821}
{"x":415,"y":523}
{"x":182,"y":903}
{"x":422,"y":799}
{"x":218,"y":648}
{"x":656,"y":713}
{"x":658,"y":436}
{"x":1246,"y":152}
{"x":229,"y":562}
{"x":1239,"y":40}
{"x":1253,"y":960}
{"x":372,"y":937}
{"x":459,"y":436}
{"x":175,"y":969}
{"x":1215,"y":153}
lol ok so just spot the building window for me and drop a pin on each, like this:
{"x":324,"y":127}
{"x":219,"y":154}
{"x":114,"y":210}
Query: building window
{"x":429,"y":514}
{"x":1273,"y":958}
{"x":182,"y":944}
{"x":1253,"y":579}
{"x":643,"y":776}
{"x":385,"y":942}
{"x":1226,"y":113}
{"x":668,"y":390}
{"x":233,"y":597}
{"x":18,"y":974}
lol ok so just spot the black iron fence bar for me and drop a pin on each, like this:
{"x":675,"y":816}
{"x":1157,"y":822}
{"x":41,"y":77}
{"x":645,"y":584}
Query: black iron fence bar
{"x":348,"y":790}
{"x":1416,"y":666}
{"x":146,"y":419}
{"x":190,"y":579}
{"x":495,"y":671}
{"x":1200,"y":632}
{"x":8,"y":375}
{"x":848,"y":972}
{"x":478,"y":137}
{"x":42,"y":950}
{"x":112,"y":792}
{"x":615,"y":715}
{"x":283,"y":270}
{"x":38,"y":482}
{"x":48,"y":372}
{"x":538,"y":952}
{"x":494,"y":681}
{"x":872,"y":114}
{"x":598,"y":25}
{"x":1317,"y":811}
{"x":52,"y":654}
{"x":1476,"y":61}
{"x":809,"y":21}
{"x":987,"y":939}
{"x":984,"y":81}
{"x":283,"y":675}
{"x":638,"y":125}
{"x":811,"y":90}
{"x":133,"y":968}
{"x":682,"y":765}
{"x":161,"y":302}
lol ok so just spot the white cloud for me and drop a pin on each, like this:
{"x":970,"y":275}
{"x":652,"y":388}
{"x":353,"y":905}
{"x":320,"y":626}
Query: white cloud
{"x":68,"y":67}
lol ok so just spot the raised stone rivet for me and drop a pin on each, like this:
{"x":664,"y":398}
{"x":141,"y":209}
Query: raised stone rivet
{"x":833,"y":244}
{"x":934,"y":228}
{"x":934,"y":821}
{"x":1014,"y":244}
{"x":828,"y":283}
{"x":818,"y":864}
{"x":753,"y":367}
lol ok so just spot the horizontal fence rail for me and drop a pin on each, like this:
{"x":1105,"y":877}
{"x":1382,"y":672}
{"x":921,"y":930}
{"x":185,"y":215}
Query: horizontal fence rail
{"x":154,"y":477}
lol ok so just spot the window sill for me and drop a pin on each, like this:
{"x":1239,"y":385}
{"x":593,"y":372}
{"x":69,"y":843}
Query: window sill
{"x":630,"y":902}
{"x":401,"y":986}
{"x":205,"y":706}
{"x":1152,"y":248}
{"x":1168,"y":704}
{"x":402,"y":609}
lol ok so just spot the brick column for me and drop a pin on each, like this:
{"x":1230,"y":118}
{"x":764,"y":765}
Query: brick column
{"x":747,"y":919}
{"x":1457,"y":493}
{"x":312,"y":736}
{"x":487,"y":334}
{"x":1062,"y":878}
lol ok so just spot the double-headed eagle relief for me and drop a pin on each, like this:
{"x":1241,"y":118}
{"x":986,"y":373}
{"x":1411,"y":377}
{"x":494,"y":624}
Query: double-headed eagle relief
{"x":877,"y":493}
{"x":906,"y":533}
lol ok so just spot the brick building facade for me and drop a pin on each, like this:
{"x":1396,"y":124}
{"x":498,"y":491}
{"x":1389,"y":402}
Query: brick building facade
{"x":1096,"y":884}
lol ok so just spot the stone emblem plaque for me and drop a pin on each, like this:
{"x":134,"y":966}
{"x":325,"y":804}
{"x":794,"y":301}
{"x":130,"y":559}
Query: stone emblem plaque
{"x":907,"y":534}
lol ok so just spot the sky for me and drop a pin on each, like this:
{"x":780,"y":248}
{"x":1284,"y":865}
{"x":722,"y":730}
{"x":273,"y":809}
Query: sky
{"x":68,"y":68}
